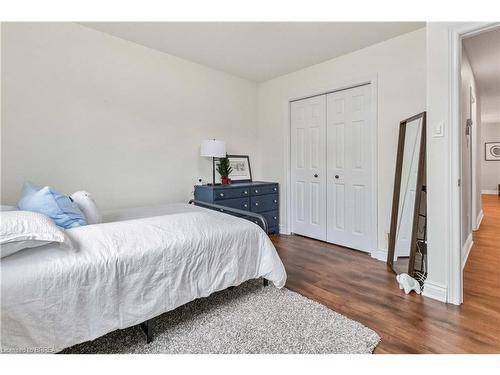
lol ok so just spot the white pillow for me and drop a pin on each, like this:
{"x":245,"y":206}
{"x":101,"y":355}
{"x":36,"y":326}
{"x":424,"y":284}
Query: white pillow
{"x":86,"y":204}
{"x":24,"y":229}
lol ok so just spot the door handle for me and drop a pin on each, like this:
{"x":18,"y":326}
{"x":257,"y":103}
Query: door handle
{"x":315,"y":175}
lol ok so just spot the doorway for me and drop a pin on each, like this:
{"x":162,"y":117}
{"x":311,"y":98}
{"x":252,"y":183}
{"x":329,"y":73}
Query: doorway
{"x":479,"y":167}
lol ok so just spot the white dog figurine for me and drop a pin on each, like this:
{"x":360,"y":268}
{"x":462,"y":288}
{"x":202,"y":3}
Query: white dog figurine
{"x":408,"y":283}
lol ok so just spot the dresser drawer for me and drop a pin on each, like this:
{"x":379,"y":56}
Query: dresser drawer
{"x":264,"y":189}
{"x":264,"y":203}
{"x":229,"y":193}
{"x":272,"y":218}
{"x":239,"y":203}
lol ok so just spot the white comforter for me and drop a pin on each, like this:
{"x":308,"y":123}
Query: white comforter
{"x":123,"y":273}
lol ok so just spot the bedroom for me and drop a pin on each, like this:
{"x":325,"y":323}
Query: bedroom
{"x":138,"y":116}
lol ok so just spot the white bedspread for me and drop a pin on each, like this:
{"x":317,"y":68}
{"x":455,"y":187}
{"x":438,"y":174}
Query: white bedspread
{"x":126,"y":272}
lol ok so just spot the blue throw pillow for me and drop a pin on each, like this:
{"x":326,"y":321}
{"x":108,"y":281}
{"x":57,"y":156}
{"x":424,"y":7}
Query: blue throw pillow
{"x":59,"y":207}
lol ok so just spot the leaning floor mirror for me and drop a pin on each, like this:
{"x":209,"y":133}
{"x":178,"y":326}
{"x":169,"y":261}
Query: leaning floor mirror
{"x":407,"y":239}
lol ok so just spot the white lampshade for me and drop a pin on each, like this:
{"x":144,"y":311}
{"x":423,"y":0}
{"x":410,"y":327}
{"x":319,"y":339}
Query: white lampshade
{"x":213,"y":148}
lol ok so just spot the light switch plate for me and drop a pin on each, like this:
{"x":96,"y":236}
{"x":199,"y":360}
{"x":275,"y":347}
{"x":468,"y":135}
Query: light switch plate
{"x":438,"y":129}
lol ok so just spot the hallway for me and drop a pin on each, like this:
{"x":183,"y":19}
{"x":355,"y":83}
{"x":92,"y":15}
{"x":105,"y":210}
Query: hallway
{"x":482,"y":271}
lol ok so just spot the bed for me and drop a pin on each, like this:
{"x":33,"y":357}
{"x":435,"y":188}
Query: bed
{"x":135,"y":266}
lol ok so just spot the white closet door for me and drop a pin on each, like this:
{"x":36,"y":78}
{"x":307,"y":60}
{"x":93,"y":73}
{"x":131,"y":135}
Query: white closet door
{"x":308,"y":155}
{"x":349,"y":161}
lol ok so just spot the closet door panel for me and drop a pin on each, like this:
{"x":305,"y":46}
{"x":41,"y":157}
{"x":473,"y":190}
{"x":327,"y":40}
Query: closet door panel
{"x":349,"y":168}
{"x":308,"y":154}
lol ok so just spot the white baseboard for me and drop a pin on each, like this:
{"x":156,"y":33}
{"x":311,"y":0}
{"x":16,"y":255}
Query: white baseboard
{"x":466,"y":249}
{"x":479,"y":219}
{"x":380,"y":254}
{"x":493,"y":192}
{"x":283,"y":229}
{"x":435,"y":291}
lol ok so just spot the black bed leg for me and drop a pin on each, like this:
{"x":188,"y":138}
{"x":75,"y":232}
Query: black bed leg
{"x":266,"y":283}
{"x":147,"y":328}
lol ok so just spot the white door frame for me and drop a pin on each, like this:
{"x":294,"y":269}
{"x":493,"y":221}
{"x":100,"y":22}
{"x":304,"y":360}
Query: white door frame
{"x":474,"y":155}
{"x":325,"y":89}
{"x":455,"y":274}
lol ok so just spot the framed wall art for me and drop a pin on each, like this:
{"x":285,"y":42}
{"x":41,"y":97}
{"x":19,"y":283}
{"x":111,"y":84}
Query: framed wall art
{"x":492,"y":151}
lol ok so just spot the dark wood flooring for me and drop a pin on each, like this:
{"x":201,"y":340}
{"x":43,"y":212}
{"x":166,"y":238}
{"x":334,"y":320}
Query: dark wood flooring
{"x":364,"y":289}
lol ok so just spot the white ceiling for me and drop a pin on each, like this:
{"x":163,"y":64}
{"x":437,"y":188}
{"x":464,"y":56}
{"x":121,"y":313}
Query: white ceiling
{"x":483,"y":51}
{"x":257,"y":51}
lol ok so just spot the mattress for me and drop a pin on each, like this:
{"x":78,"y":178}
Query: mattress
{"x":139,"y":264}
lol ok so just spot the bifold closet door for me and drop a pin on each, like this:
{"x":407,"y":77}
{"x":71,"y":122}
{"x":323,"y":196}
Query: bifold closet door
{"x":308,"y":169}
{"x":349,"y":159}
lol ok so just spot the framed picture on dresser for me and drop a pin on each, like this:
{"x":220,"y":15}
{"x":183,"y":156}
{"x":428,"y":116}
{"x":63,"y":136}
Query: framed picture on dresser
{"x":241,"y":171}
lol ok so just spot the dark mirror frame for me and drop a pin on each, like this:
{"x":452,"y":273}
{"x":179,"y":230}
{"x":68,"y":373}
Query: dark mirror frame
{"x":397,"y":191}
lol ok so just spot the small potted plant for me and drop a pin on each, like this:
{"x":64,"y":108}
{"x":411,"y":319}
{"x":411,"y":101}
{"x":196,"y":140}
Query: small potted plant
{"x":224,"y":169}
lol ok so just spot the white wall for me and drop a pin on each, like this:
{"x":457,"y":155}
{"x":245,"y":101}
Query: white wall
{"x":86,"y":110}
{"x":439,"y":162}
{"x":399,"y":64}
{"x":1,"y":59}
{"x":490,"y":170}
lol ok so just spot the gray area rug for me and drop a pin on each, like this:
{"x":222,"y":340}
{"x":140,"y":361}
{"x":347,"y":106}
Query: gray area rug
{"x":247,"y":319}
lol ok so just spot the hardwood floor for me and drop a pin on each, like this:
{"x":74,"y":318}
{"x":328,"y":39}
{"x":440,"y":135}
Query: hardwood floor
{"x":364,"y":289}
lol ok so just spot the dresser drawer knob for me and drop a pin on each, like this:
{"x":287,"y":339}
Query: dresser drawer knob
{"x":256,"y":191}
{"x":275,"y":189}
{"x":275,"y":201}
{"x":256,"y":203}
{"x":245,"y":205}
{"x":245,"y":192}
{"x":221,"y":194}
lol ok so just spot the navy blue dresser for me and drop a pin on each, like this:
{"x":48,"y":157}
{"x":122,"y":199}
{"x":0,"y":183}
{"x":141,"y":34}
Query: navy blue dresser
{"x":259,"y":197}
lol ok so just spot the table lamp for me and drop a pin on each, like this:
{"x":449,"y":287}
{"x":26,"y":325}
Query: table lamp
{"x":214,"y":149}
